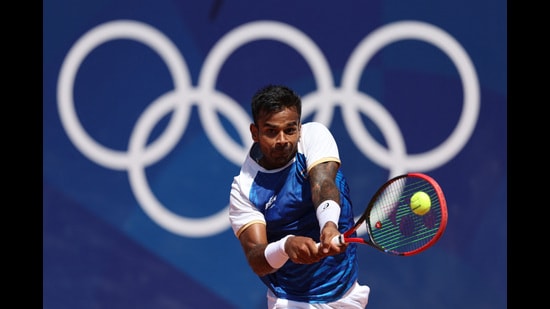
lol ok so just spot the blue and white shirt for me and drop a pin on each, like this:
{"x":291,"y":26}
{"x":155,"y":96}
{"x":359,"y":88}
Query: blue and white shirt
{"x":281,"y":199}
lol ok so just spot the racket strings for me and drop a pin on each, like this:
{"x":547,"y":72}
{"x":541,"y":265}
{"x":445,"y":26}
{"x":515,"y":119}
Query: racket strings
{"x":393,"y":226}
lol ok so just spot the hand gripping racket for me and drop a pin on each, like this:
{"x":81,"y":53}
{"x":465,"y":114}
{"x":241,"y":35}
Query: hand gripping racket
{"x":396,"y":225}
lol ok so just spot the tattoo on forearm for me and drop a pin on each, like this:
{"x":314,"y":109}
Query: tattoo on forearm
{"x":323,"y":186}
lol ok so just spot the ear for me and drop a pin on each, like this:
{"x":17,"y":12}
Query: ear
{"x":254,"y":132}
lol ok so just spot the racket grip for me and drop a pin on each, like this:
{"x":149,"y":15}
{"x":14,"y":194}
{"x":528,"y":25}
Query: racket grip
{"x":338,"y":240}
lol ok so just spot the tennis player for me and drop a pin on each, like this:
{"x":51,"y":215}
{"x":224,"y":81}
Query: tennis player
{"x":290,"y":195}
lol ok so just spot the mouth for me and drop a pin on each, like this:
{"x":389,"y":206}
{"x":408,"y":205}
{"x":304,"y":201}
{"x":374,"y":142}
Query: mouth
{"x":280,"y":152}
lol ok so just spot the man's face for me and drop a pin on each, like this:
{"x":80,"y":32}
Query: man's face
{"x":277,"y":134}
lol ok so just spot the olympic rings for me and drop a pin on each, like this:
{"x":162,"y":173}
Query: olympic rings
{"x":209,"y":101}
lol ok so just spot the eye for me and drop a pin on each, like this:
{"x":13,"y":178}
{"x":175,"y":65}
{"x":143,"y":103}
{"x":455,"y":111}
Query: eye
{"x":291,"y":131}
{"x":270,"y":132}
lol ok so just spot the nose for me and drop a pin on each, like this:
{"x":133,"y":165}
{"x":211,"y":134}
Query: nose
{"x":281,"y":138}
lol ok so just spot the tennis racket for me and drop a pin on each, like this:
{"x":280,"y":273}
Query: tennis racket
{"x":394,"y":225}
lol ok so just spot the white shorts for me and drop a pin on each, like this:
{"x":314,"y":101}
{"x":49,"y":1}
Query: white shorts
{"x":357,"y":297}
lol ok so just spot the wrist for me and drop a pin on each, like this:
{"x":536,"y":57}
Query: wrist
{"x":275,"y":253}
{"x":327,"y":211}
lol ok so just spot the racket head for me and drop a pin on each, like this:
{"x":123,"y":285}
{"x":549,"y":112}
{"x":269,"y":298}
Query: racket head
{"x":391,"y":224}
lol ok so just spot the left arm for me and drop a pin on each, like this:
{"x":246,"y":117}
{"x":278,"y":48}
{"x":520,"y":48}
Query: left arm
{"x":323,"y":185}
{"x":323,"y":188}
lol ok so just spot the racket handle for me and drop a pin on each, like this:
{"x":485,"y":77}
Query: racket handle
{"x":338,"y":240}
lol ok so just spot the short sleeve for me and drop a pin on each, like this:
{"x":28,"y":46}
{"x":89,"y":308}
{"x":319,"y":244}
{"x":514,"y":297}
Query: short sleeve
{"x":318,"y":144}
{"x":242,"y":212}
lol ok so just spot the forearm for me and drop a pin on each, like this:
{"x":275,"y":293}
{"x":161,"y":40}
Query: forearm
{"x":257,"y":261}
{"x":323,"y":186}
{"x":327,"y":190}
{"x":263,"y":257}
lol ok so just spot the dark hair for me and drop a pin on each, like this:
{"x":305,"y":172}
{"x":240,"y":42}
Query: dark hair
{"x":273,"y":98}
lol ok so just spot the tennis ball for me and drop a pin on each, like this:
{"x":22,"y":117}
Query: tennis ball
{"x":420,"y":203}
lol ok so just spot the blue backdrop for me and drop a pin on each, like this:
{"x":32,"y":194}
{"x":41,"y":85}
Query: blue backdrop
{"x":145,"y":122}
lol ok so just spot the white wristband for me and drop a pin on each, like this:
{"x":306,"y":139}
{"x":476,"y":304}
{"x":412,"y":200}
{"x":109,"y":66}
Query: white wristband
{"x":275,"y":253}
{"x":327,"y":211}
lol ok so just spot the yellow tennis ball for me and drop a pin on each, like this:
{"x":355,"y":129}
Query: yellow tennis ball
{"x":420,"y":203}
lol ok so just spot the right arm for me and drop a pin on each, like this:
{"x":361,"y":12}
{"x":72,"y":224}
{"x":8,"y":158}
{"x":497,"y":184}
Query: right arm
{"x":254,"y":241}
